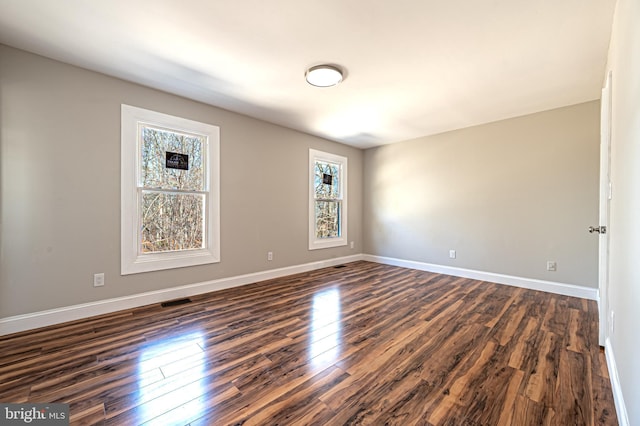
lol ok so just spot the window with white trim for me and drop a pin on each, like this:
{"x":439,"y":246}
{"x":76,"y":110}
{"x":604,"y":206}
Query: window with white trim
{"x":169,"y":191}
{"x":327,"y":200}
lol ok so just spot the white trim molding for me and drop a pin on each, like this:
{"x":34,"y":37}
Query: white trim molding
{"x":34,"y":320}
{"x":528,"y":283}
{"x":133,"y":259}
{"x":316,"y":242}
{"x":618,"y":399}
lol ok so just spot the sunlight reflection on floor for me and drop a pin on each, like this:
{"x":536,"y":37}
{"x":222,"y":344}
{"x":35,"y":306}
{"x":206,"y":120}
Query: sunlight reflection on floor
{"x":326,"y":328}
{"x":172,"y":380}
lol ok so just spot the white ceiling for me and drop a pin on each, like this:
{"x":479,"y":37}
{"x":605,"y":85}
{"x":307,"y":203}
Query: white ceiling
{"x":414,"y":67}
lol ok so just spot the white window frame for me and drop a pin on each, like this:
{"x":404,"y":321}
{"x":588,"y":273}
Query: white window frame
{"x":132,"y":260}
{"x":321,"y":243}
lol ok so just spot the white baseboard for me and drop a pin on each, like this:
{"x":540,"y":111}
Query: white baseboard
{"x":621,"y":408}
{"x":528,"y":283}
{"x":34,"y":320}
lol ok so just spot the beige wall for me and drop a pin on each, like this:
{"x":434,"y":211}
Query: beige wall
{"x":507,"y":196}
{"x":60,"y":188}
{"x":624,"y":271}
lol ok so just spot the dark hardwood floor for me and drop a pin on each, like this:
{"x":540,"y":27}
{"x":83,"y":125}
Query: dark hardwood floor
{"x":363,"y":344}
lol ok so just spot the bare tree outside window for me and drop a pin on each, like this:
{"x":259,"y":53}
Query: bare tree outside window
{"x":327,"y":199}
{"x":170,"y":191}
{"x":172,"y":200}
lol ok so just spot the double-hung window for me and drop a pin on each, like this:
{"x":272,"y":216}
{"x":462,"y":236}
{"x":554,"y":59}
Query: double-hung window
{"x":327,"y":200}
{"x":169,"y":191}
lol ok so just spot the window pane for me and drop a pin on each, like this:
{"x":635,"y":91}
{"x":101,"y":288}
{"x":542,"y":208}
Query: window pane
{"x":156,"y":143}
{"x":327,"y":219}
{"x":171,"y":221}
{"x":327,"y":180}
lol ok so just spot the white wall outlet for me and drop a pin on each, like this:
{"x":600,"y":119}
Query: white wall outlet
{"x":269,"y":255}
{"x":552,"y":265}
{"x":98,"y":279}
{"x":352,"y":244}
{"x":452,"y":254}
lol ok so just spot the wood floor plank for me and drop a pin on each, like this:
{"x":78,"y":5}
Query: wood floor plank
{"x":542,"y":379}
{"x":525,"y":345}
{"x":460,"y":385}
{"x":575,"y":386}
{"x":88,"y":416}
{"x":576,"y":333}
{"x":508,"y":409}
{"x":363,"y":344}
{"x":505,"y":328}
{"x":301,"y":404}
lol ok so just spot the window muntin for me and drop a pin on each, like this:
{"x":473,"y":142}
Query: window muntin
{"x":170,"y":192}
{"x":327,"y":226}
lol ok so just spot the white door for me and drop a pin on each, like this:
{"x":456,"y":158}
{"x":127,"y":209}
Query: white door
{"x":605,"y":198}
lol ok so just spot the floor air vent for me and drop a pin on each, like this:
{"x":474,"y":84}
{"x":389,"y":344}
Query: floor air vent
{"x":175,"y":302}
{"x":340,"y":266}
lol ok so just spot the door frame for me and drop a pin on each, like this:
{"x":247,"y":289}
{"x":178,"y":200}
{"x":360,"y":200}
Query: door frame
{"x":605,"y":200}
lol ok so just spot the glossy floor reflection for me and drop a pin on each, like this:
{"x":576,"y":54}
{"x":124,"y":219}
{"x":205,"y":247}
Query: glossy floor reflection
{"x":363,"y":344}
{"x":326,"y":328}
{"x":172,"y":380}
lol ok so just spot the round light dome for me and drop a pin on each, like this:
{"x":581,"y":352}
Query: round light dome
{"x":323,"y":76}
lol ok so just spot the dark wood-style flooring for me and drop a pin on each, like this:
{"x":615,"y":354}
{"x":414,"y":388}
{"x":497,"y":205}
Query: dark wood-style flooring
{"x":363,"y":344}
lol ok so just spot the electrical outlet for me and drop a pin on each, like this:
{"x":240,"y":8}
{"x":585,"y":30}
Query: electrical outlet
{"x":552,"y":266}
{"x":270,"y":255}
{"x":353,"y":244}
{"x":452,"y":254}
{"x":98,"y":279}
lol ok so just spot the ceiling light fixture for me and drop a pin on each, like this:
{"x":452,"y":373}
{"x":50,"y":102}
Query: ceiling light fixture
{"x":323,"y":75}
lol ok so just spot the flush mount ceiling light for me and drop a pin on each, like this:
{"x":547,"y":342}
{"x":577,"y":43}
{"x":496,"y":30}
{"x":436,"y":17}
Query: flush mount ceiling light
{"x":323,"y":75}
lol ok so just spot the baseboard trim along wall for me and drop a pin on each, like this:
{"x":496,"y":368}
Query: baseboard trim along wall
{"x":25,"y":322}
{"x":34,"y":320}
{"x":621,"y":408}
{"x":528,"y":283}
